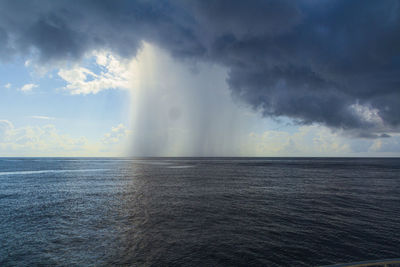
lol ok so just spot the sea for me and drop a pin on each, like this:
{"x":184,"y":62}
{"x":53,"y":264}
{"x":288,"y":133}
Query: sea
{"x":198,"y":211}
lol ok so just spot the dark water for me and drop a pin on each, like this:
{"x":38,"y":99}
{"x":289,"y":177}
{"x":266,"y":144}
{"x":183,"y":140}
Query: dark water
{"x":198,"y":212}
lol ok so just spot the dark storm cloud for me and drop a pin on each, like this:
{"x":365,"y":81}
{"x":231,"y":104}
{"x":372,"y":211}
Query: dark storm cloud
{"x":331,"y":62}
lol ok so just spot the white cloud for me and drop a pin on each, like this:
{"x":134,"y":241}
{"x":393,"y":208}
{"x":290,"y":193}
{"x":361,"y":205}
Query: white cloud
{"x":35,"y":140}
{"x":42,"y":118}
{"x":8,"y":85}
{"x":386,"y":145}
{"x":114,"y":74}
{"x":116,"y":135}
{"x":47,"y":140}
{"x":116,"y":142}
{"x":28,"y":87}
{"x":317,"y":141}
{"x":367,"y":114}
{"x":5,"y":127}
{"x":307,"y":140}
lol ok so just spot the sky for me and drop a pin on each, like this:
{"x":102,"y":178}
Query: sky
{"x":200,"y":78}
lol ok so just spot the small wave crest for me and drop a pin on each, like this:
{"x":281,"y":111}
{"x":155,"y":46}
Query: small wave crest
{"x":49,"y":171}
{"x":181,"y":167}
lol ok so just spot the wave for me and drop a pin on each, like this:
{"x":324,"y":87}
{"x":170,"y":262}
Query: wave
{"x":181,"y":167}
{"x":151,"y":162}
{"x":50,"y":171}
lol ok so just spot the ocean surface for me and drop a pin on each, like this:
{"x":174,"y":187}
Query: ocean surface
{"x":198,"y":211}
